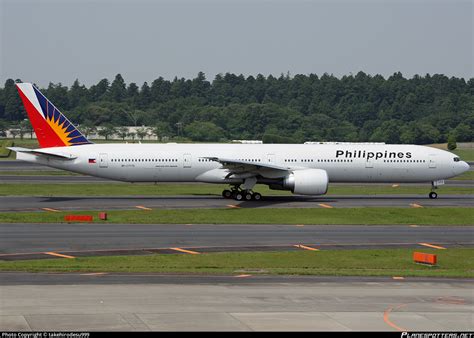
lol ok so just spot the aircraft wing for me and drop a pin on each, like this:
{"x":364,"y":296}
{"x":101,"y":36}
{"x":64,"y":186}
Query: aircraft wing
{"x":44,"y":153}
{"x":239,"y":167}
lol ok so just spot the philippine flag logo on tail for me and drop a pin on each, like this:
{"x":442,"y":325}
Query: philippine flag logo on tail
{"x":51,"y":127}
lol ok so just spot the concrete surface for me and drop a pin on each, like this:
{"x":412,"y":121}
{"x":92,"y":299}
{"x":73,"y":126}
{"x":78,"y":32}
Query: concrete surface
{"x":317,"y":306}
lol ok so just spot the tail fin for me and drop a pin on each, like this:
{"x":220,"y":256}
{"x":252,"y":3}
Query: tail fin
{"x":51,"y":127}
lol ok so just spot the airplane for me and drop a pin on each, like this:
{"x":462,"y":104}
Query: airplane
{"x":303,"y":169}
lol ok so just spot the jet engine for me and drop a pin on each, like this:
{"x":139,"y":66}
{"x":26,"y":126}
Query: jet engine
{"x":307,"y":182}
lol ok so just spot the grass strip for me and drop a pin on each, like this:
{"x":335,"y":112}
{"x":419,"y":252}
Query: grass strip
{"x":390,"y":262}
{"x":468,"y":175}
{"x":165,"y":189}
{"x":465,"y":154}
{"x":369,"y":216}
{"x":4,"y":152}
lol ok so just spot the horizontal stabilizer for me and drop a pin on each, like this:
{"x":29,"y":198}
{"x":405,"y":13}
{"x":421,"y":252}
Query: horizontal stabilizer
{"x":43,"y":152}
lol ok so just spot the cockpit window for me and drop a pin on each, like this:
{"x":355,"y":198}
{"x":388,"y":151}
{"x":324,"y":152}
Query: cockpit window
{"x":456,"y":159}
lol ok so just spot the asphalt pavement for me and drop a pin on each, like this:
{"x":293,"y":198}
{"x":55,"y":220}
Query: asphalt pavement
{"x":31,"y":241}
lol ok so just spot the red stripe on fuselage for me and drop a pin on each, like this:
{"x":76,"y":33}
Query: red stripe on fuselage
{"x":44,"y":133}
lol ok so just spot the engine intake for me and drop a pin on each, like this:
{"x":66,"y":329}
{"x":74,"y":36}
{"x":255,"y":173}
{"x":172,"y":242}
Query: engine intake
{"x":307,"y":182}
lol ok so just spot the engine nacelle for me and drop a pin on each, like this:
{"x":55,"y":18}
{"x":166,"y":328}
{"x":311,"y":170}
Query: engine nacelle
{"x":307,"y":182}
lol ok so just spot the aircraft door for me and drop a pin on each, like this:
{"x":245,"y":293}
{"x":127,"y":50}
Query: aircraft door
{"x":187,"y":161}
{"x":103,"y":161}
{"x":369,"y":165}
{"x":271,"y":159}
{"x":432,"y":163}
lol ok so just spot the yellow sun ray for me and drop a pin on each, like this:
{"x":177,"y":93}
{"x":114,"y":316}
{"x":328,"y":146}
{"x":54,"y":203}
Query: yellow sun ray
{"x":60,"y":130}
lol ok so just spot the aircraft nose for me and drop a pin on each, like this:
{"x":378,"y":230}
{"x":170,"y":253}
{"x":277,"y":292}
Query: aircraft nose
{"x":465,"y":166}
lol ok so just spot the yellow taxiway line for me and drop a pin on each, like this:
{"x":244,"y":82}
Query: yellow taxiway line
{"x":58,"y":255}
{"x":185,"y":251}
{"x":432,"y":246}
{"x":306,"y":247}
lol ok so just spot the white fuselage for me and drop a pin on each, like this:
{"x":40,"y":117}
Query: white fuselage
{"x":186,"y":162}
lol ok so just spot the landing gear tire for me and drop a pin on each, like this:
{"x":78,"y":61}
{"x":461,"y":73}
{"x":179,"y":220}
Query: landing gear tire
{"x":227,"y":194}
{"x":433,"y":195}
{"x":248,"y":196}
{"x":241,"y":194}
{"x":238,"y":196}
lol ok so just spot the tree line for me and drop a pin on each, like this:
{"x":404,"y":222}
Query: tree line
{"x":361,"y":107}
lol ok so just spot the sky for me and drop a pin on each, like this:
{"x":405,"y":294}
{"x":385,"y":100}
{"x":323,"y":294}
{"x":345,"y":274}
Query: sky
{"x":44,"y":41}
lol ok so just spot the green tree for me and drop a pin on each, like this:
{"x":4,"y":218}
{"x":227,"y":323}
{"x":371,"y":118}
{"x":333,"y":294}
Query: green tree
{"x":269,"y":137}
{"x":135,"y":116}
{"x":25,"y":127}
{"x":142,"y":132}
{"x":388,"y":132}
{"x":204,"y":132}
{"x":77,"y":93}
{"x":58,"y":94}
{"x":463,"y":133}
{"x":133,"y":94}
{"x":122,"y":132}
{"x":145,"y":96}
{"x":452,"y":142}
{"x":421,"y":109}
{"x":106,"y":131}
{"x":99,"y":91}
{"x":419,"y":133}
{"x":407,"y":136}
{"x":14,"y":131}
{"x":160,"y":129}
{"x":118,"y":89}
{"x":87,"y":128}
{"x":13,"y":107}
{"x":3,"y":128}
{"x":199,"y":86}
{"x":132,"y":135}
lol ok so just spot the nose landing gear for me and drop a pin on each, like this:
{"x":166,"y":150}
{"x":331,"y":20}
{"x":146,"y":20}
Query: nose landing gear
{"x":435,"y":185}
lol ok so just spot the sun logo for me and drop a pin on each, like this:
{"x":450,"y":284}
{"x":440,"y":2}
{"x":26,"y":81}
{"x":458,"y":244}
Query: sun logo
{"x":59,"y":124}
{"x":60,"y":129}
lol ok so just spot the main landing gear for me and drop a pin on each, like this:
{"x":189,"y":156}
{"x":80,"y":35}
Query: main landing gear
{"x":241,"y":195}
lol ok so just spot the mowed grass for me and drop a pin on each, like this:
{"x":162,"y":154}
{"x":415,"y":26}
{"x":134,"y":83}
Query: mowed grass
{"x":369,"y":216}
{"x":468,"y":175}
{"x":165,"y":189}
{"x":390,"y":262}
{"x":465,"y":154}
{"x":26,"y":143}
{"x":4,"y":151}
